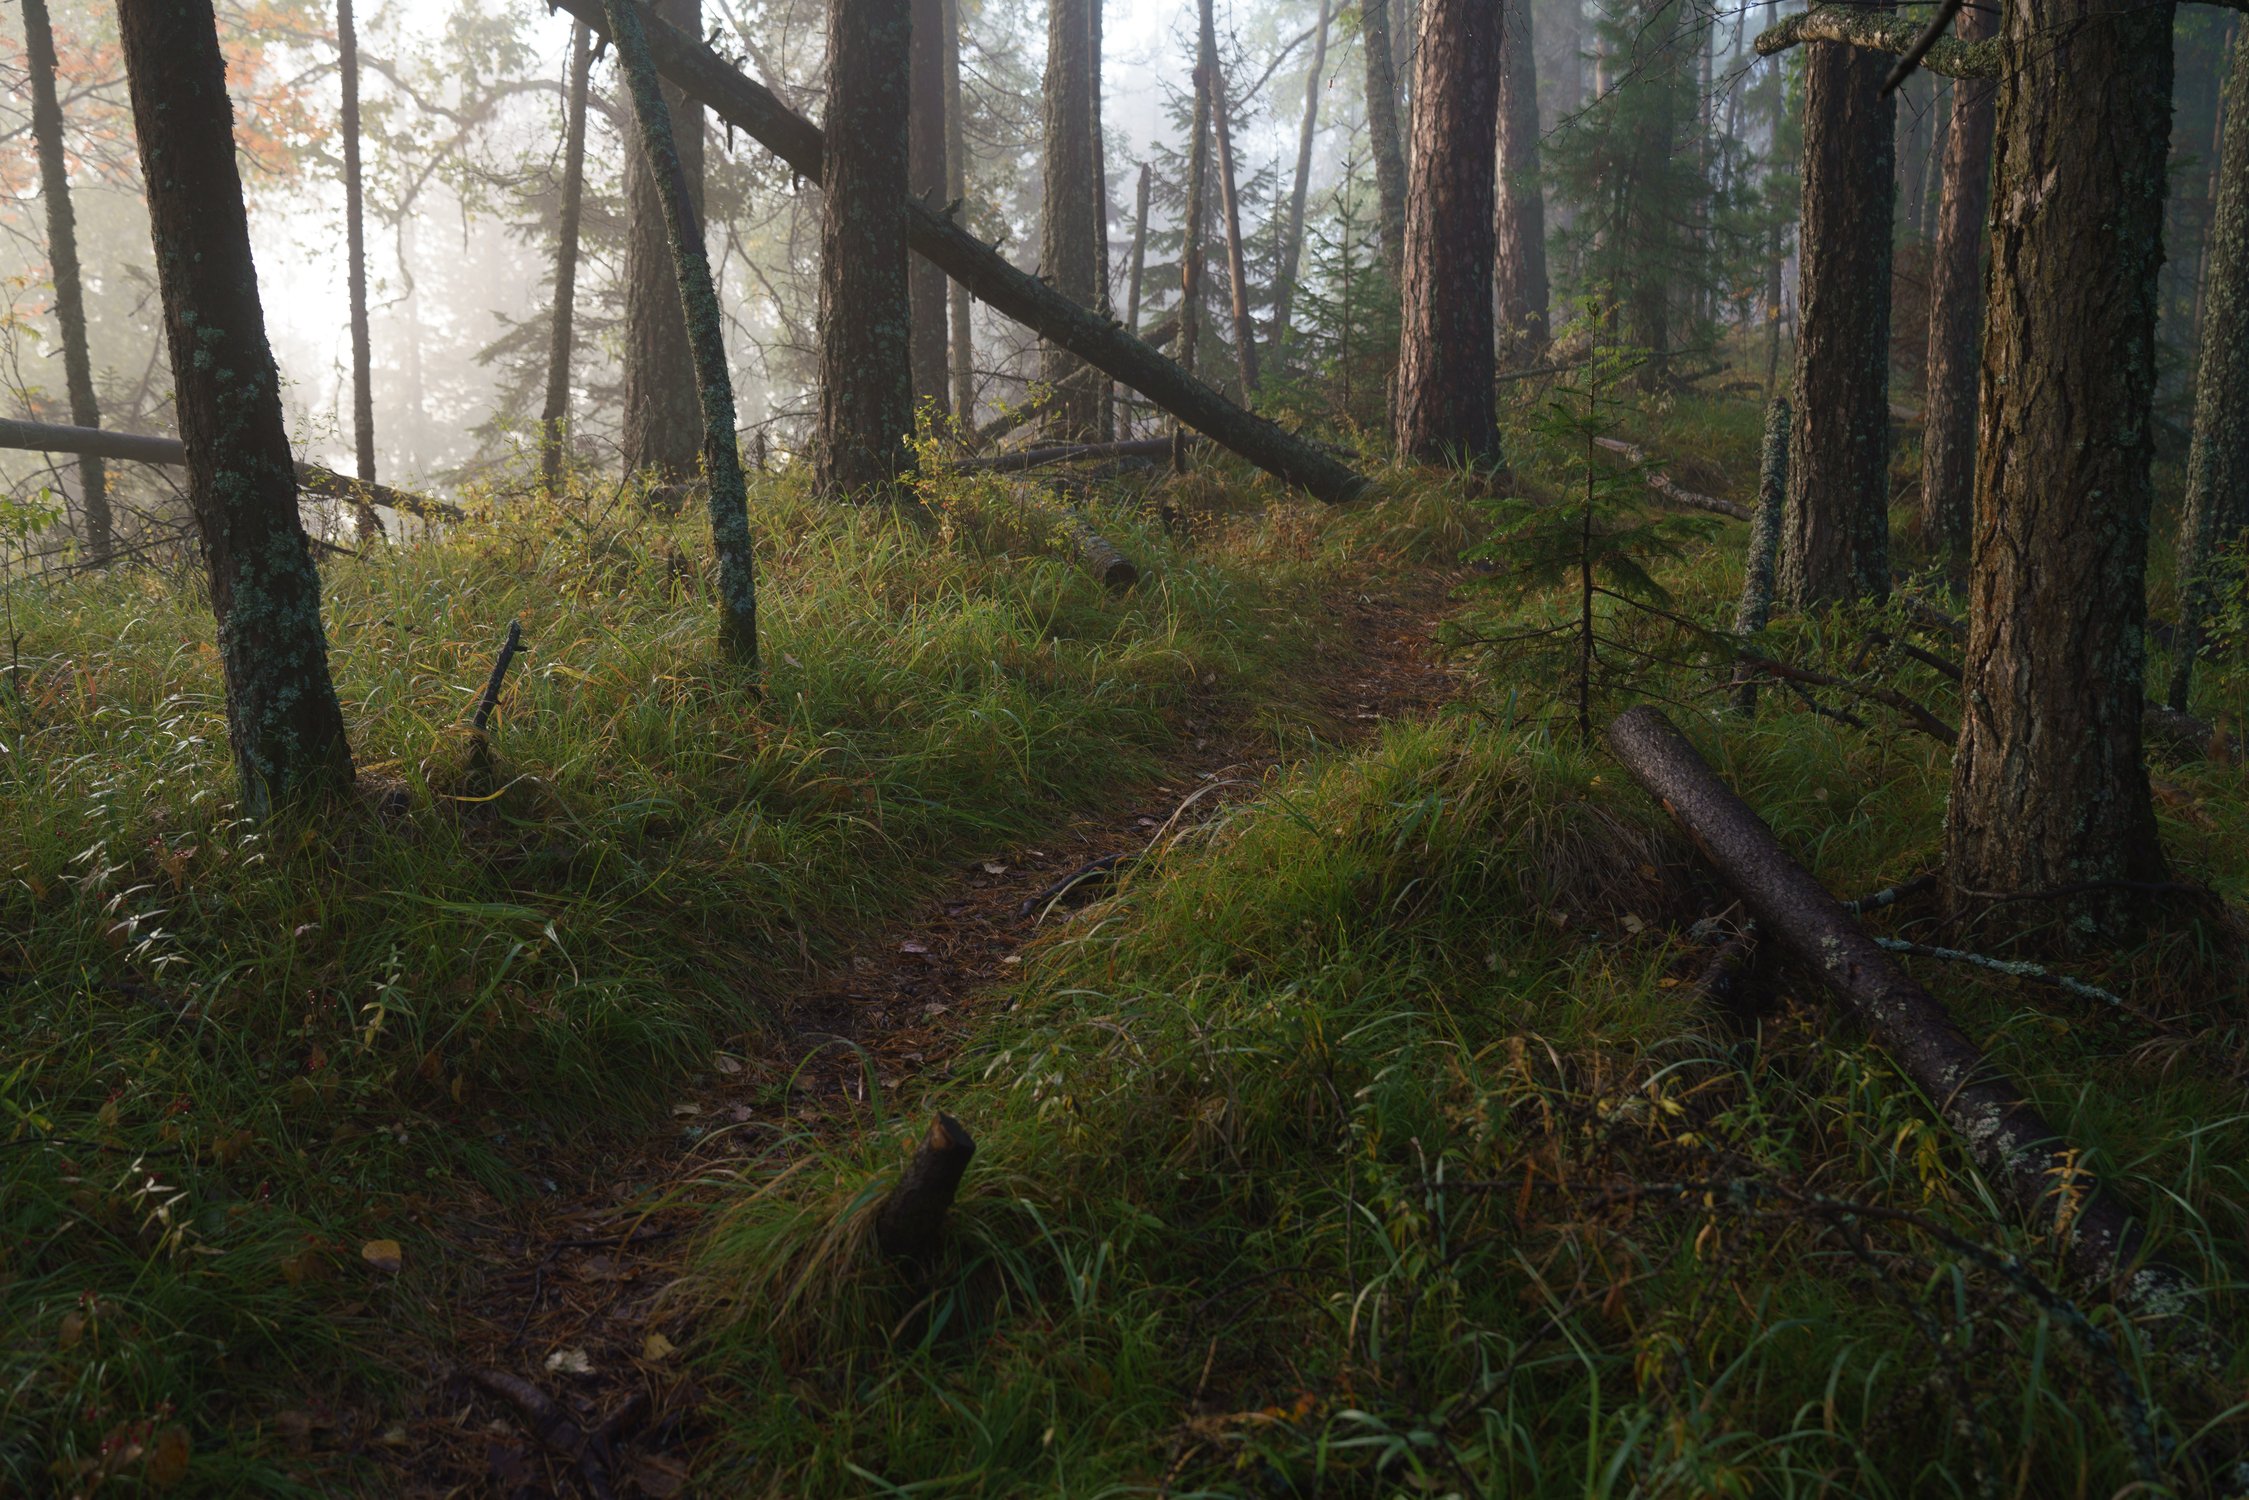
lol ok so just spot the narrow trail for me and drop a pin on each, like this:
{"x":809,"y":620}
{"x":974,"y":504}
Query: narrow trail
{"x":564,"y":1293}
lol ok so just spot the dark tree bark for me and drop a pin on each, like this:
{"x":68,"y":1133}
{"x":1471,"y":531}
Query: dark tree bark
{"x":1764,"y":546}
{"x":62,"y":258}
{"x":1139,"y":250}
{"x":2217,"y":498}
{"x":927,"y":179}
{"x":555,"y":415}
{"x":910,"y":1225}
{"x":1948,"y":433}
{"x":723,"y":481}
{"x":1230,"y":204}
{"x":1197,"y":210}
{"x":1519,"y":278}
{"x":1070,"y":236}
{"x":1382,"y":132}
{"x":1445,"y":411}
{"x":1835,"y":535}
{"x":663,"y":427}
{"x":956,"y":191}
{"x":866,"y":321}
{"x":283,"y":721}
{"x":355,"y":264}
{"x":1292,"y":236}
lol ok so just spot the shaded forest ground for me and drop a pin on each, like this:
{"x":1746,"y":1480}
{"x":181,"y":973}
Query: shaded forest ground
{"x":1326,"y":1151}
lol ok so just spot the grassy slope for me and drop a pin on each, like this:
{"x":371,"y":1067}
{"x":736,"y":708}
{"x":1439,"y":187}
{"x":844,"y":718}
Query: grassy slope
{"x":230,"y":1057}
{"x":1292,"y":1159}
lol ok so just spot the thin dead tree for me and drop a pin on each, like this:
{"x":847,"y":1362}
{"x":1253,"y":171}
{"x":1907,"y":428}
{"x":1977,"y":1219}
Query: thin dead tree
{"x":554,"y":417}
{"x":1237,"y":265}
{"x":1292,"y":234}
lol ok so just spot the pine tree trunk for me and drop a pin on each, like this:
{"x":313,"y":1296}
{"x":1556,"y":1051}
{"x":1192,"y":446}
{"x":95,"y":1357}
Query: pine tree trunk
{"x":1519,"y":278}
{"x":1948,"y":430}
{"x":926,"y":180}
{"x":62,"y":256}
{"x":283,"y":720}
{"x":725,"y":486}
{"x":1292,"y":237}
{"x":2048,"y":785}
{"x":956,"y":191}
{"x":1445,"y":411}
{"x":1139,"y":262}
{"x":1237,"y":266}
{"x":355,"y":264}
{"x":1196,"y":211}
{"x":1835,"y":535}
{"x":663,"y":428}
{"x":1382,"y":132}
{"x":554,"y":416}
{"x":1070,"y":235}
{"x":866,"y":389}
{"x":2217,"y":496}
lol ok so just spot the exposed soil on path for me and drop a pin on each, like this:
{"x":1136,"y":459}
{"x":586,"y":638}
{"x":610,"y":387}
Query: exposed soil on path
{"x":560,"y":1299}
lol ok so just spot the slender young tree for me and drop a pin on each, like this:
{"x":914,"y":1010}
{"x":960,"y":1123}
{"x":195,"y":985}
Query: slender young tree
{"x":1445,"y":411}
{"x":1835,"y":532}
{"x":1229,"y":197}
{"x":355,"y":268}
{"x":1382,"y":131}
{"x":1198,"y":195}
{"x":2217,"y":497}
{"x":663,"y":426}
{"x":724,"y":484}
{"x":1292,"y":235}
{"x":62,"y":258}
{"x":926,"y":179}
{"x":1070,"y":240}
{"x":956,"y":191}
{"x":866,"y":317}
{"x":1139,"y":255}
{"x":283,"y":721}
{"x":1519,"y":280}
{"x":1948,"y":433}
{"x":554,"y":417}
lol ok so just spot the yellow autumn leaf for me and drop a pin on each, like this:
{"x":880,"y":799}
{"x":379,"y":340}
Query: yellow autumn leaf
{"x":383,"y":1255}
{"x":656,"y":1348}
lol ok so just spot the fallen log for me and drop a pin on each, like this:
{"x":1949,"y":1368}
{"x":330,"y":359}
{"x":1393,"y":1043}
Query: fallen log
{"x":1062,"y":453}
{"x":146,"y":448}
{"x":1038,"y":406}
{"x":911,"y":1221}
{"x":1663,"y":487}
{"x":1098,"y":340}
{"x":2100,"y":1235}
{"x":1099,"y":554}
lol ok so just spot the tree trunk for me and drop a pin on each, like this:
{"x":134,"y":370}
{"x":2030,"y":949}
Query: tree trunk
{"x":1948,"y":427}
{"x":866,"y":389}
{"x":62,"y":256}
{"x":723,"y":481}
{"x":1139,"y":264}
{"x":554,"y":417}
{"x":1382,"y":132}
{"x":926,"y":179}
{"x":956,"y":191}
{"x":1070,"y":236}
{"x":1292,"y":237}
{"x":1198,"y":193}
{"x":283,"y":721}
{"x":2217,"y":498}
{"x":1835,"y":536}
{"x":355,"y":268}
{"x":663,"y":415}
{"x":1445,"y":411}
{"x":1519,"y":234}
{"x":1756,"y":606}
{"x":1229,"y":197}
{"x":2048,"y":785}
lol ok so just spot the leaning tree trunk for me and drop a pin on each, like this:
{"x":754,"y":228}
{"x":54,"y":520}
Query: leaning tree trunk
{"x":1070,"y":236}
{"x":62,"y":256}
{"x":1382,"y":133}
{"x":1835,"y":537}
{"x":926,"y":174}
{"x":723,"y":481}
{"x":2217,"y":499}
{"x":1445,"y":411}
{"x":1196,"y":214}
{"x":866,"y":389}
{"x":1519,"y":234}
{"x":355,"y":268}
{"x":1292,"y":234}
{"x":663,"y":413}
{"x":956,"y":191}
{"x":1230,"y":203}
{"x":2048,"y":785}
{"x":283,"y":721}
{"x":1948,"y":427}
{"x":555,"y":415}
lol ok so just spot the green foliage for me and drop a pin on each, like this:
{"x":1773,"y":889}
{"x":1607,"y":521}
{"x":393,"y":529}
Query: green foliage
{"x":1346,"y":333}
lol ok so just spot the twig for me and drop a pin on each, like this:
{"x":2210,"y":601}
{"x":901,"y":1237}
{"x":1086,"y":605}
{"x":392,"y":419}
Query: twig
{"x":491,"y":699}
{"x":1910,"y":59}
{"x":1925,"y":721}
{"x":2019,"y":969}
{"x":1891,"y":895}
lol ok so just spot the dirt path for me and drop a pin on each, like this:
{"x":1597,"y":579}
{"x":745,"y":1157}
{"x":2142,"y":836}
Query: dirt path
{"x":562,"y":1294}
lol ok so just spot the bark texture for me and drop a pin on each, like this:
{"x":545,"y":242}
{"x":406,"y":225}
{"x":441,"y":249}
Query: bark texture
{"x":62,"y":259}
{"x":1835,"y":536}
{"x":1764,"y":544}
{"x":866,"y":320}
{"x":554,"y":417}
{"x":724,"y":486}
{"x":927,"y":178}
{"x":2217,"y":498}
{"x":1292,"y":234}
{"x":663,"y":428}
{"x":2048,"y":785}
{"x":1445,"y":411}
{"x":1948,"y":436}
{"x":1383,"y":134}
{"x":1070,"y":235}
{"x":956,"y":191}
{"x":283,"y":721}
{"x":1519,"y":280}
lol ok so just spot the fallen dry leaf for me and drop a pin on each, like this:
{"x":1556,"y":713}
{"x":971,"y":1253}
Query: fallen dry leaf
{"x":383,"y":1255}
{"x":168,"y":1455}
{"x":656,"y":1348}
{"x":569,"y":1362}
